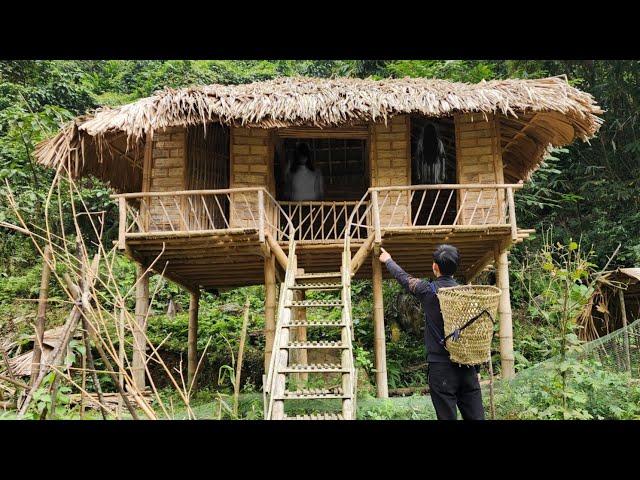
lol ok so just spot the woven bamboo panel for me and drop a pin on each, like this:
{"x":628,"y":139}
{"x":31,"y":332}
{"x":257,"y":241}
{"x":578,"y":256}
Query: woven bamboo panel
{"x":167,"y":173}
{"x":479,"y":160}
{"x":251,"y":166}
{"x":391,"y":165}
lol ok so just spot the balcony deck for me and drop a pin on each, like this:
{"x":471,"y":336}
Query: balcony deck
{"x":211,"y":240}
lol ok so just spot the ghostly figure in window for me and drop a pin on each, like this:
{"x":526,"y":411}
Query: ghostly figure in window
{"x":429,"y":160}
{"x":304,"y":181}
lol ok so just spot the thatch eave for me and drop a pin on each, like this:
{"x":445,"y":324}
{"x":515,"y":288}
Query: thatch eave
{"x":324,"y":103}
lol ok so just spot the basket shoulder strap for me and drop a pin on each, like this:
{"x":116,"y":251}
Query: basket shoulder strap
{"x":456,"y":333}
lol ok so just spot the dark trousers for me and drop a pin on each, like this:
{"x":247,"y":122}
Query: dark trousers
{"x":452,"y":384}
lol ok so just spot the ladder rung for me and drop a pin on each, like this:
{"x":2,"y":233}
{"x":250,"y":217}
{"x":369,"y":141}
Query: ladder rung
{"x":313,"y":393}
{"x":314,"y":367}
{"x":315,"y":303}
{"x":316,"y":323}
{"x":322,"y":344}
{"x":316,"y":416}
{"x":315,"y":276}
{"x":317,"y":286}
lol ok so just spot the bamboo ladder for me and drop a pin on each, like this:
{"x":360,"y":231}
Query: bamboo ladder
{"x":278,"y":388}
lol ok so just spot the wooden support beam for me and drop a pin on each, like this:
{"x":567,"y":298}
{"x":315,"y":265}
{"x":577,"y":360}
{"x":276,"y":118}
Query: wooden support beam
{"x":42,"y":311}
{"x":275,"y":247}
{"x":361,"y":255}
{"x":269,"y":308}
{"x":192,"y":341}
{"x":382,"y":389}
{"x":507,"y":360}
{"x":139,"y":338}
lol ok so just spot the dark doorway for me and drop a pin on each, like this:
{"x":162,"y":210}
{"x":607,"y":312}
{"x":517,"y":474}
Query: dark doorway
{"x":433,"y":161}
{"x":343,"y":163}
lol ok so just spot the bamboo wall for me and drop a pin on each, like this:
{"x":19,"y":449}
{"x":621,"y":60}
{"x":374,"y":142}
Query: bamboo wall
{"x":479,"y":160}
{"x":390,"y":162}
{"x":207,"y":168}
{"x":478,"y":153}
{"x":251,"y":166}
{"x":164,"y":171}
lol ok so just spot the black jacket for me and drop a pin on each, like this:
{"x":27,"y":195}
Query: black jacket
{"x":431,"y":306}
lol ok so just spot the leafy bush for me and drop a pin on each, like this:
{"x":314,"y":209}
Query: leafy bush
{"x":591,"y":393}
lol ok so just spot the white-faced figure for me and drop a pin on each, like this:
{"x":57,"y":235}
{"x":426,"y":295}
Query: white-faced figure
{"x":306,"y":182}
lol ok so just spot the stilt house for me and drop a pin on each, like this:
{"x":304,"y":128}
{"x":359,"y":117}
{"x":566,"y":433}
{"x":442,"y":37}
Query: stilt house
{"x":200,"y":175}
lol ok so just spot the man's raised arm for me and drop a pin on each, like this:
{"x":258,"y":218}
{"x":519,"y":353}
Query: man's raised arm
{"x":411,"y":284}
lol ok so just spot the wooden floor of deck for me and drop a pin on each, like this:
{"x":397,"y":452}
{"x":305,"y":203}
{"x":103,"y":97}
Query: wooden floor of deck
{"x":233,"y":258}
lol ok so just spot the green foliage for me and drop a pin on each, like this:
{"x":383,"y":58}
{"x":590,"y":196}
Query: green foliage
{"x":584,"y":191}
{"x":592,"y":393}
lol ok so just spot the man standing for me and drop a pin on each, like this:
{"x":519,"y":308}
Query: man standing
{"x":450,"y":384}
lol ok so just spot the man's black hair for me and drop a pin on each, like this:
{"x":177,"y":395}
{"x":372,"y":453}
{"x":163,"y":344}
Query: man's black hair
{"x":446,"y":257}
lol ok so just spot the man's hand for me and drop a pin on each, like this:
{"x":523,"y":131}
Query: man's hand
{"x":384,"y":256}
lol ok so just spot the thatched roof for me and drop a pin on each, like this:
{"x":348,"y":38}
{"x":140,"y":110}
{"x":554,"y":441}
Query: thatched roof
{"x":535,"y":115}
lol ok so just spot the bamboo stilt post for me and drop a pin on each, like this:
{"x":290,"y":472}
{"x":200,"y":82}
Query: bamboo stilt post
{"x":120,"y":357}
{"x":491,"y":392}
{"x":243,"y":338}
{"x":192,"y":354}
{"x":41,"y":317}
{"x":507,"y":361}
{"x":623,"y":313}
{"x":139,"y":338}
{"x":382,"y":389}
{"x":269,"y":308}
{"x":375,"y":211}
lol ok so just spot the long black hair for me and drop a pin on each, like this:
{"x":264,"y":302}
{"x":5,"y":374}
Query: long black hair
{"x":302,"y":150}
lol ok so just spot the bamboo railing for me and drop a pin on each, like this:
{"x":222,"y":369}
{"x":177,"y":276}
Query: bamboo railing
{"x":427,"y":207}
{"x":445,"y":205}
{"x":322,"y":221}
{"x":462,"y":206}
{"x":147,"y":214}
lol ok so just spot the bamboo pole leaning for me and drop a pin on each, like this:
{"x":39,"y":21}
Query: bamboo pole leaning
{"x":59,"y":352}
{"x":243,"y":337}
{"x":41,"y":317}
{"x":95,"y":305}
